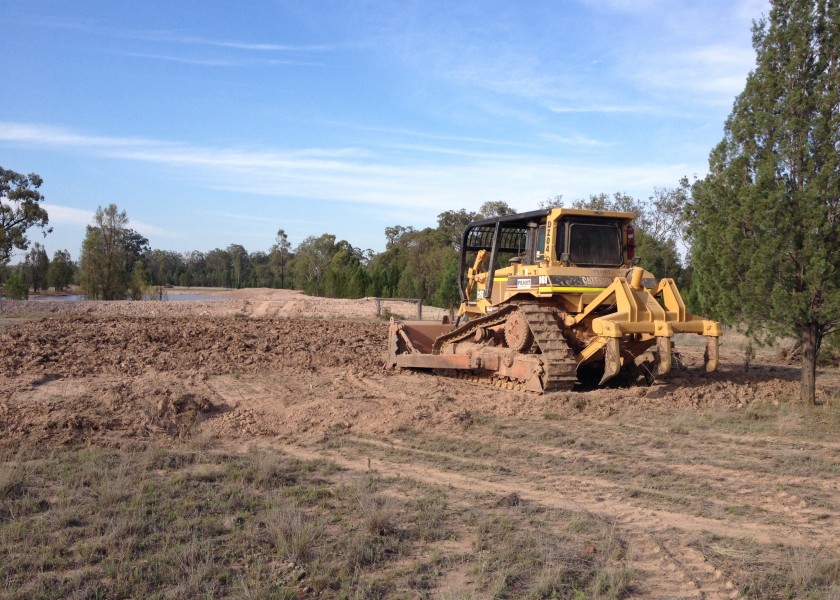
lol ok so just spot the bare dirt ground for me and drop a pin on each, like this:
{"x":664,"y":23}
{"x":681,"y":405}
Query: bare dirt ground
{"x":717,"y":486}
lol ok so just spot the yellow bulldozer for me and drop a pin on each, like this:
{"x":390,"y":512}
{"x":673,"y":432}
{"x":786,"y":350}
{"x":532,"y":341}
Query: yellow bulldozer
{"x":551,"y":299}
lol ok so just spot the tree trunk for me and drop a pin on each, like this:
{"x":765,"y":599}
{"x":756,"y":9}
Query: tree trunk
{"x":810,"y":345}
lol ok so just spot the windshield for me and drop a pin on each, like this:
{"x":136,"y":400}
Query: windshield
{"x":595,"y":244}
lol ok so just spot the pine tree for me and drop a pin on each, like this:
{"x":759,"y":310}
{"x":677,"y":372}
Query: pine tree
{"x":766,"y":220}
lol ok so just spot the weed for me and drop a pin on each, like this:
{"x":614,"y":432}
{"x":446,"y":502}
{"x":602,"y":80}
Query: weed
{"x":378,"y":512}
{"x":293,"y":533}
{"x":788,"y":421}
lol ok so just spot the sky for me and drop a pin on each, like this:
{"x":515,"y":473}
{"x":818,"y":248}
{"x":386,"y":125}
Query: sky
{"x":214,"y":123}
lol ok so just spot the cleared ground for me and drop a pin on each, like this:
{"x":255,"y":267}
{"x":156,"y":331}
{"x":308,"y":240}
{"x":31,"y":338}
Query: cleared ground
{"x":254,"y":447}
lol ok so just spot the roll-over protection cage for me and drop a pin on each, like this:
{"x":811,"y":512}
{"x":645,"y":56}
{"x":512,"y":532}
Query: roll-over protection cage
{"x":505,"y":234}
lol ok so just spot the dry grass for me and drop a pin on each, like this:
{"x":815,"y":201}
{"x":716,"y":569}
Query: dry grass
{"x":379,"y":512}
{"x":292,"y":532}
{"x":193,"y":521}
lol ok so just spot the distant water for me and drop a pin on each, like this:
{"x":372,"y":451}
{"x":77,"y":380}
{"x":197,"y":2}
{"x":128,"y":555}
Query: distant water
{"x":192,"y":298}
{"x":67,"y":298}
{"x":167,"y":297}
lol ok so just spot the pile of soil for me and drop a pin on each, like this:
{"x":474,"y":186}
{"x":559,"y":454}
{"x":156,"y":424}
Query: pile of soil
{"x":133,"y":346}
{"x":86,"y":379}
{"x":108,"y":379}
{"x":102,"y":411}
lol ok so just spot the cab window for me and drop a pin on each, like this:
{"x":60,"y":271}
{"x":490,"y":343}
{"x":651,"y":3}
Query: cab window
{"x":595,"y":243}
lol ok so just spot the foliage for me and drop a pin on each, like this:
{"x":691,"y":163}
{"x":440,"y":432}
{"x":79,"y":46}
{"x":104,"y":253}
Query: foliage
{"x":138,"y":283}
{"x":16,"y":287}
{"x":496,"y":208}
{"x":281,"y":252}
{"x":312,"y":260}
{"x":452,"y":223}
{"x":109,"y":252}
{"x":37,"y":263}
{"x":238,"y":263}
{"x":61,"y":270}
{"x":766,"y":220}
{"x":556,"y":202}
{"x":20,"y":209}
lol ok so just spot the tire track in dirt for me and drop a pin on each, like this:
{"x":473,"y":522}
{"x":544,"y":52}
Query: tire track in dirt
{"x":664,"y":567}
{"x":752,"y":441}
{"x":792,"y":511}
{"x":782,"y":508}
{"x":658,"y":540}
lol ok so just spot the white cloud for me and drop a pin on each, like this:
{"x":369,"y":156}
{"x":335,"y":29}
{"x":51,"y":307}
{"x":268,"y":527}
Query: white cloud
{"x":168,"y":36}
{"x":577,"y":139}
{"x":430,"y":183}
{"x":66,"y":215}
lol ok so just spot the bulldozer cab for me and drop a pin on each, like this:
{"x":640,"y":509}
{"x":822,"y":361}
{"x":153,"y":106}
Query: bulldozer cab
{"x":494,"y":249}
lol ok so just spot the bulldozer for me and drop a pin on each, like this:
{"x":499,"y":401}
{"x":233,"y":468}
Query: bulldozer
{"x":552,"y":300}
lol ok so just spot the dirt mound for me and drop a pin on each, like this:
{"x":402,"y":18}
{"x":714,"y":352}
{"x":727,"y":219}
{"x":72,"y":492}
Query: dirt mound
{"x":132,"y":346}
{"x":103,"y":411}
{"x":83,"y":379}
{"x":249,"y":302}
{"x":86,"y":379}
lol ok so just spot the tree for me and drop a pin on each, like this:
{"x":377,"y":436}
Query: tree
{"x":280,"y":254}
{"x":556,"y":202}
{"x":20,"y":209}
{"x":312,"y":259}
{"x":218,"y":268}
{"x":393,"y":234}
{"x":138,"y":283}
{"x":238,"y":263}
{"x":60,"y":272}
{"x":496,"y":208}
{"x":453,"y":223}
{"x":766,"y":219}
{"x":37,"y":264}
{"x":109,"y":251}
{"x":16,"y":287}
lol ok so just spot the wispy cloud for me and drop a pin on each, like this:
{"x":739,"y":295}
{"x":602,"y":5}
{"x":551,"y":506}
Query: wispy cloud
{"x":362,"y":177}
{"x":205,"y":62}
{"x":716,"y":72}
{"x":66,"y":215}
{"x":602,"y":108}
{"x":223,"y":62}
{"x":176,"y":38}
{"x":623,"y":6}
{"x":577,"y":140}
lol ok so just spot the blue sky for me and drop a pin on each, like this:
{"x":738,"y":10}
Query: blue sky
{"x":214,"y":123}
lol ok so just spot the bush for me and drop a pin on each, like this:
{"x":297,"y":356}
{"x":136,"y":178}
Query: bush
{"x":16,"y":287}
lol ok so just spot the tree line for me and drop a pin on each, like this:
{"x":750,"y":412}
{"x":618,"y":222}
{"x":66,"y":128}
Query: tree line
{"x":117,"y":262}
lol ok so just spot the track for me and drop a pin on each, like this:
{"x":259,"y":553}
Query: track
{"x":558,"y":362}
